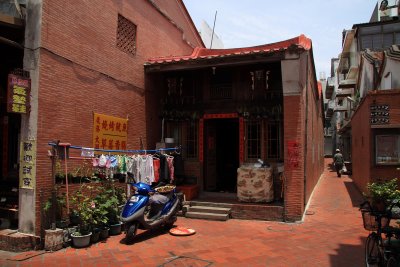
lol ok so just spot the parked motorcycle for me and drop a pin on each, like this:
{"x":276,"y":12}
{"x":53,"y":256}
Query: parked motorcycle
{"x":150,"y":208}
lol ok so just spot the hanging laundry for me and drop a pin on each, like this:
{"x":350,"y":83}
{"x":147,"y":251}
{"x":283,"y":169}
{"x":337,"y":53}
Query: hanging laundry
{"x":146,"y":170}
{"x":87,"y":152}
{"x":122,"y":165}
{"x":170,"y":162}
{"x":102,"y":161}
{"x":156,"y":166}
{"x":164,"y":170}
{"x":95,"y":162}
{"x":114,"y":161}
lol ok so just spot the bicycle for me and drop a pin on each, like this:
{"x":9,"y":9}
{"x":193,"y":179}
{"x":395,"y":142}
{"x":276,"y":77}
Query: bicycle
{"x":381,"y":250}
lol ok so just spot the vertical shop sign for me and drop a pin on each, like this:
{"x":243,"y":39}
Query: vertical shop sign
{"x":109,"y":132}
{"x":19,"y":89}
{"x":27,"y":170}
{"x":293,"y":154}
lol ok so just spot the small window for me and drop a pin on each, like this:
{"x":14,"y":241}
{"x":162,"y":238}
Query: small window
{"x":387,"y":149}
{"x":191,"y":140}
{"x":273,"y":141}
{"x":185,"y":134}
{"x":126,"y":35}
{"x":253,"y":135}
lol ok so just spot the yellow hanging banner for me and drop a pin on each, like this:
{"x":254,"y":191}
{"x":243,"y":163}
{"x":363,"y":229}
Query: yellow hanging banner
{"x":109,"y":132}
{"x":27,"y":170}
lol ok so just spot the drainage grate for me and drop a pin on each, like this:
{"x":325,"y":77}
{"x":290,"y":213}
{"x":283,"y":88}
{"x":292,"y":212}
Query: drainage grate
{"x":186,"y":261}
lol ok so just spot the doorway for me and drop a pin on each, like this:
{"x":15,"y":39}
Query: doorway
{"x":221,"y":152}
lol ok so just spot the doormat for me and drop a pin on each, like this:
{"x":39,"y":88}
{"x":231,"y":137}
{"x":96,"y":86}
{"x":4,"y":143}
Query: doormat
{"x":26,"y":255}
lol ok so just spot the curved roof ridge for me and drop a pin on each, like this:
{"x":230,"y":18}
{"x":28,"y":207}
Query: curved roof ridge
{"x":200,"y":52}
{"x":301,"y":40}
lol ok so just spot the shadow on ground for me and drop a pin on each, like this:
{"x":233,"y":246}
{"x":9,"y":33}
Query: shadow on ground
{"x":145,"y":235}
{"x":354,"y":193}
{"x":349,"y":255}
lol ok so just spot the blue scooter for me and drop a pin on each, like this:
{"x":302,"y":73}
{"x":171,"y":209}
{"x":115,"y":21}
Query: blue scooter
{"x":141,"y":211}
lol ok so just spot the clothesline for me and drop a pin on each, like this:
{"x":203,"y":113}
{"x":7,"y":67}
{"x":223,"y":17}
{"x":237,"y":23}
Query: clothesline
{"x":145,"y":151}
{"x":120,"y":151}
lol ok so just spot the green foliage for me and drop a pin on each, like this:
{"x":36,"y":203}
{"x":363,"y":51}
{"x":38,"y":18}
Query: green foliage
{"x":84,"y":170}
{"x":97,"y":205}
{"x":109,"y":199}
{"x":385,"y":192}
{"x":84,"y":206}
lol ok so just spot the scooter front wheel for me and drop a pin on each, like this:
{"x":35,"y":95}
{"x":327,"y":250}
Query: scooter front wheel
{"x":131,"y":232}
{"x":170,"y":223}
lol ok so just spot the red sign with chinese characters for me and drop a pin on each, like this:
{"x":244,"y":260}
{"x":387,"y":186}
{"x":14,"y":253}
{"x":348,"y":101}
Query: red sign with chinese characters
{"x":109,"y":132}
{"x":293,"y":148}
{"x":19,"y":90}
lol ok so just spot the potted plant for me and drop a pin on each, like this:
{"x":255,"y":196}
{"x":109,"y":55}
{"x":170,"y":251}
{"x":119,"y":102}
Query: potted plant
{"x":119,"y":197}
{"x":84,"y":205}
{"x":99,"y":219}
{"x":382,"y":194}
{"x":110,"y":200}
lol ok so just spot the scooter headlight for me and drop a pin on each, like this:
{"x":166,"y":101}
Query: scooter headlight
{"x":134,"y":199}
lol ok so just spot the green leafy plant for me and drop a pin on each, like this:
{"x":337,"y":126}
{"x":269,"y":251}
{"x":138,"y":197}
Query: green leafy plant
{"x":84,"y":207}
{"x":83,"y":172}
{"x":383,"y":192}
{"x":109,"y":199}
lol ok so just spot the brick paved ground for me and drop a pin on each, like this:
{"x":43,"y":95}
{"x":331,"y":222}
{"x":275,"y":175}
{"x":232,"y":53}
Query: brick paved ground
{"x":330,"y":235}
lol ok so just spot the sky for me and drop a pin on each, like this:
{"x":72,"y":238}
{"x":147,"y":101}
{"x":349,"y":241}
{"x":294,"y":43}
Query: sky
{"x":243,"y":23}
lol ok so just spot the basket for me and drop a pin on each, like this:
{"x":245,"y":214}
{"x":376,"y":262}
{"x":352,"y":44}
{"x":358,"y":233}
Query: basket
{"x":165,"y":189}
{"x":370,"y":221}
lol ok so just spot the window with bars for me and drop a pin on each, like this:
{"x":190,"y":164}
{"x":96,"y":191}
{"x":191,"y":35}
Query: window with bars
{"x":191,"y":140}
{"x":263,"y":140}
{"x":273,"y":141}
{"x":126,"y":35}
{"x":186,"y":135}
{"x":253,"y":138}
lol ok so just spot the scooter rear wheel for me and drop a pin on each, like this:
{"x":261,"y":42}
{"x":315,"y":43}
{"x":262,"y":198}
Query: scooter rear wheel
{"x":131,"y":232}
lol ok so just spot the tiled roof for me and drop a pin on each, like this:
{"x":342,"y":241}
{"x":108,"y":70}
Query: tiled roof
{"x":203,"y":53}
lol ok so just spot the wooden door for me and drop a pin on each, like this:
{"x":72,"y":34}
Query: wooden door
{"x":210,"y":153}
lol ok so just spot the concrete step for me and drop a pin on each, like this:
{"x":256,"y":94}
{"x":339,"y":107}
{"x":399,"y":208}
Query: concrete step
{"x":210,"y":204}
{"x":207,"y":216}
{"x":208,"y":209}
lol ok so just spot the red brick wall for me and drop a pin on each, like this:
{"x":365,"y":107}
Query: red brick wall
{"x":361,"y":145}
{"x":294,"y":175}
{"x":176,"y":10}
{"x":364,"y":169}
{"x":314,"y":137}
{"x":82,"y":71}
{"x":298,"y":109}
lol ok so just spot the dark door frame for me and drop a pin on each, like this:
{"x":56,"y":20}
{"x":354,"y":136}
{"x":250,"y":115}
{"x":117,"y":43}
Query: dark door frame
{"x":202,"y":135}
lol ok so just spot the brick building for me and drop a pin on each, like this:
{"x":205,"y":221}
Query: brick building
{"x":81,"y":60}
{"x":229,"y":107}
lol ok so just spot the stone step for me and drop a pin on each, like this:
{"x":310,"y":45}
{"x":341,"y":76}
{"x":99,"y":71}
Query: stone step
{"x":209,"y":209}
{"x":210,"y":204}
{"x":207,"y":216}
